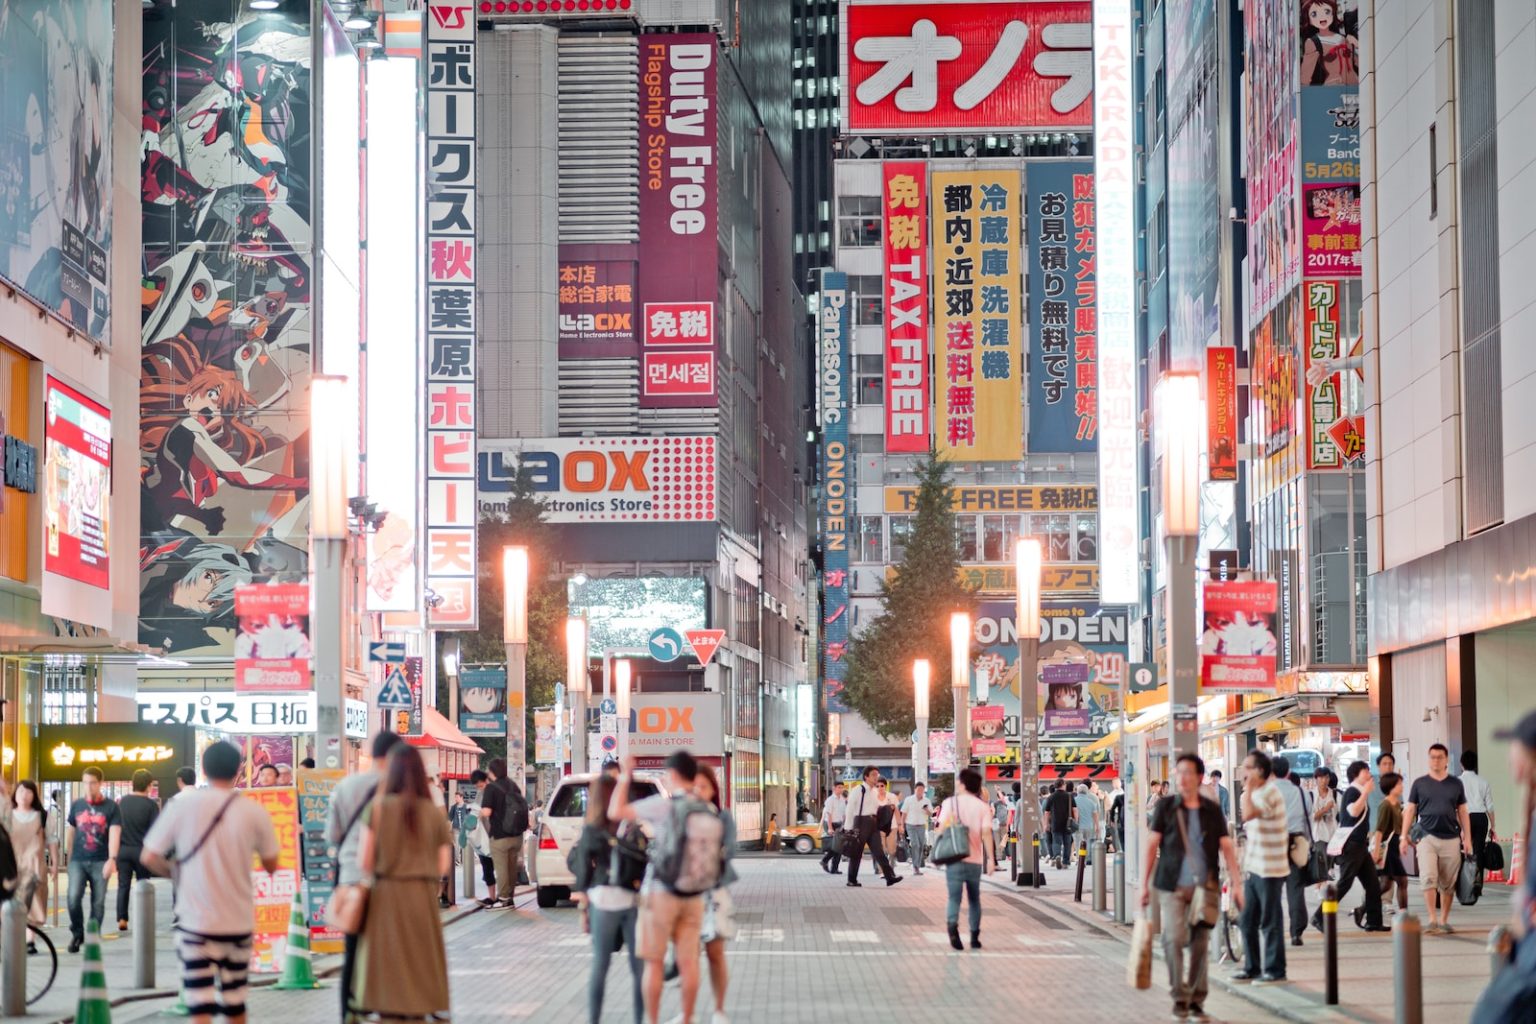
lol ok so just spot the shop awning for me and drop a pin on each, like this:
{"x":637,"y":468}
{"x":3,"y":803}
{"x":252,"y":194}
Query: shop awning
{"x":440,"y":734}
{"x":1255,"y":718}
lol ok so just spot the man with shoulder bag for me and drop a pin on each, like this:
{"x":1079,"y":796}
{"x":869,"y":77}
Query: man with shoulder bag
{"x":348,"y":800}
{"x":1298,"y":837}
{"x":831,"y":822}
{"x":862,"y":824}
{"x":504,"y":810}
{"x":209,"y":836}
{"x":1189,"y":833}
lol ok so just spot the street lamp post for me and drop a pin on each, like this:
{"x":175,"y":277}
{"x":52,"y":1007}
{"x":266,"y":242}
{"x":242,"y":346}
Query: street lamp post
{"x":922,"y":673}
{"x":960,"y":683}
{"x":576,"y":683}
{"x":1027,"y":626}
{"x":1179,"y":419}
{"x":449,"y":646}
{"x":621,"y":684}
{"x":514,"y":633}
{"x":328,"y":535}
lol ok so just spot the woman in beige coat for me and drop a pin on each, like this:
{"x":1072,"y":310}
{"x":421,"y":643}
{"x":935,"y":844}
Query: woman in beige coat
{"x":402,"y":970}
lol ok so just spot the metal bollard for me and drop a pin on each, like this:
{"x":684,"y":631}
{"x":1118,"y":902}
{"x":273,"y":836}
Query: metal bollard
{"x":470,"y":860}
{"x":1082,"y":865}
{"x":1330,"y":912}
{"x":143,"y":901}
{"x":1500,"y":943}
{"x":13,"y":959}
{"x":1408,"y":969}
{"x":1098,"y":877}
{"x":1122,"y":897}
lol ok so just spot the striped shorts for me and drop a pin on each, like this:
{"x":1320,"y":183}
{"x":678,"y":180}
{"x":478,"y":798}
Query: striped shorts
{"x":206,"y":960}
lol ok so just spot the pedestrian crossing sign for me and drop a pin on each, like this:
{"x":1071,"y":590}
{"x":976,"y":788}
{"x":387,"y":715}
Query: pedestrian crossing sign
{"x":396,"y":692}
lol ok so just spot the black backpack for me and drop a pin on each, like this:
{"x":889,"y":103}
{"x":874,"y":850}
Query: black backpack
{"x":627,"y":857}
{"x":514,"y":812}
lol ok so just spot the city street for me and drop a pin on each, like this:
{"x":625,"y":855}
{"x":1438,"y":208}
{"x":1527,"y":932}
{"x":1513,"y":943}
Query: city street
{"x":810,"y":949}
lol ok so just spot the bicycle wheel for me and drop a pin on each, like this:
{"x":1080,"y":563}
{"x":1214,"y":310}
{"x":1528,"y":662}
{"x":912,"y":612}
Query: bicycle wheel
{"x":42,"y":966}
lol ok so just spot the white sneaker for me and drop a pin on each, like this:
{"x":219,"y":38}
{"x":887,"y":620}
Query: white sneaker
{"x":719,"y":1018}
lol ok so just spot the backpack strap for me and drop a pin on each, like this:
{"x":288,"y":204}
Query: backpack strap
{"x":197,"y":847}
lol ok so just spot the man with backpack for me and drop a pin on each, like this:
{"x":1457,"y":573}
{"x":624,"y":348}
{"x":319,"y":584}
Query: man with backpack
{"x":687,"y":858}
{"x":505,"y":812}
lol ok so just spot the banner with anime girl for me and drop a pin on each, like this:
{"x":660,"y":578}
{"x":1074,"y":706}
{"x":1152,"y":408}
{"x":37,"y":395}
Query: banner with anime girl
{"x":226,"y":304}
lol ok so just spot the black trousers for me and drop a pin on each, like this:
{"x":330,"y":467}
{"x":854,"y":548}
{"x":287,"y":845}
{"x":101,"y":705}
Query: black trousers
{"x":869,"y":836}
{"x":1355,"y":862}
{"x":829,"y":856}
{"x":128,"y":868}
{"x":1296,"y":898}
{"x":1479,"y":823}
{"x":348,"y":964}
{"x":488,"y":873}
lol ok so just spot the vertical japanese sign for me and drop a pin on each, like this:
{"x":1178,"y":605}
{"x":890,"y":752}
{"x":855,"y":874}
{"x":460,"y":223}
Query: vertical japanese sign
{"x":1330,"y":179}
{"x":274,"y":892}
{"x":905,"y":211}
{"x":1221,"y":411}
{"x":483,"y":702}
{"x":451,"y":256}
{"x":1334,"y":437}
{"x":832,"y":384}
{"x":976,"y":221}
{"x":1063,"y":307}
{"x":1114,"y":169}
{"x":272,"y":648}
{"x":679,"y":276}
{"x":1237,"y":641}
{"x":315,"y":787}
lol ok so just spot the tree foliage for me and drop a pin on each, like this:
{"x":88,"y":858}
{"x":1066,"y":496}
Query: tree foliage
{"x":524,"y":525}
{"x":914,"y":618}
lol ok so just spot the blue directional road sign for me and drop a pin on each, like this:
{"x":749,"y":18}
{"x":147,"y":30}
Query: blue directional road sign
{"x":389,"y":653}
{"x":666,"y":644}
{"x":609,"y":706}
{"x":396,"y":692}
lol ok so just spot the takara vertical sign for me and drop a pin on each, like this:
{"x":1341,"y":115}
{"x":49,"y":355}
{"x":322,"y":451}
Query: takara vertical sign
{"x":679,"y":248}
{"x":977,"y":333}
{"x":451,"y":255}
{"x":905,"y":212}
{"x":1115,"y":185}
{"x":832,"y":381}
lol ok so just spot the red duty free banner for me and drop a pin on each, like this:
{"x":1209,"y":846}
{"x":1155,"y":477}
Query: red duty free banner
{"x":904,"y":209}
{"x":913,"y":67}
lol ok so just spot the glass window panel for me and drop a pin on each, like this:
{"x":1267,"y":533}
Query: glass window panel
{"x":965,"y":538}
{"x":992,"y":538}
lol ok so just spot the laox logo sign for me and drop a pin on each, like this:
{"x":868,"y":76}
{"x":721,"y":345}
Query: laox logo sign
{"x":651,"y":720}
{"x":608,"y":479}
{"x":589,"y":323}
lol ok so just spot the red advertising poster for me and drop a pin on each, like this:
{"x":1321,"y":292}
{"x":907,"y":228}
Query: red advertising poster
{"x":1335,"y":438}
{"x":77,"y":485}
{"x":272,"y":648}
{"x":679,"y":375}
{"x":1238,"y":642}
{"x":679,"y":277}
{"x":597,"y":295}
{"x":274,"y":892}
{"x":925,"y":67}
{"x":1330,"y":224}
{"x":1221,"y":410}
{"x":905,"y":212}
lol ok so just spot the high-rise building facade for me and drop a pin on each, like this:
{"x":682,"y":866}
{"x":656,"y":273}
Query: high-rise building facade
{"x":1446,"y":175}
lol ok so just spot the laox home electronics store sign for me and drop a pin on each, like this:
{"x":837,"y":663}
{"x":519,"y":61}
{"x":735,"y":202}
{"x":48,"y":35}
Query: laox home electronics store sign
{"x":603,"y":479}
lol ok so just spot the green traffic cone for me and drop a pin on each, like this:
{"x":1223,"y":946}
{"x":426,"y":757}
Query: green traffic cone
{"x":93,"y":1007}
{"x":297,"y":972}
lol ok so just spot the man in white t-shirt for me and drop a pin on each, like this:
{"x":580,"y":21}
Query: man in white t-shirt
{"x":210,"y":835}
{"x":916,"y":811}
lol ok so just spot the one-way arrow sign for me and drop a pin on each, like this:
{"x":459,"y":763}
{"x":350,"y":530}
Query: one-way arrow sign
{"x":396,"y":692}
{"x":389,"y":653}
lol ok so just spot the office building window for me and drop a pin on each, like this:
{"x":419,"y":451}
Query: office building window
{"x":868,"y":300}
{"x":858,"y":220}
{"x":869,"y":380}
{"x":871,"y":542}
{"x":901,"y":532}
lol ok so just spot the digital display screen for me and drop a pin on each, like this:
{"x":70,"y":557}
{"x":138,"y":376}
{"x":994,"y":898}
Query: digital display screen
{"x":623,"y":613}
{"x":77,"y":485}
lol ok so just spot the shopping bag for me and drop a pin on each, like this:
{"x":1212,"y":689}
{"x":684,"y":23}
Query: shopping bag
{"x":1409,"y":855}
{"x":1469,"y":881}
{"x":1138,"y":970}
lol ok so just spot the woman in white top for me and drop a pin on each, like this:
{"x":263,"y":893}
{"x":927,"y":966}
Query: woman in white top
{"x":967,"y":808}
{"x":1325,"y":810}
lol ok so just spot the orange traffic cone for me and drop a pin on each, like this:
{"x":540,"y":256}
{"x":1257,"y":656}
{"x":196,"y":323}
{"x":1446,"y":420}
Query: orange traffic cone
{"x":1517,"y":861}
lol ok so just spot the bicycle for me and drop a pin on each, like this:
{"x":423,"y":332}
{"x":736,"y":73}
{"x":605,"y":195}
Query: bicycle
{"x":42,"y":963}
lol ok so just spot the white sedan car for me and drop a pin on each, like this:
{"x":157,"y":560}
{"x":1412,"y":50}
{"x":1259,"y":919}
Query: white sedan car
{"x":560,"y":826}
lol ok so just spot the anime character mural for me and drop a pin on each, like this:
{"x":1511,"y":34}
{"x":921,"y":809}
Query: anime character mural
{"x":1329,"y":49}
{"x":226,"y":315}
{"x":56,"y":155}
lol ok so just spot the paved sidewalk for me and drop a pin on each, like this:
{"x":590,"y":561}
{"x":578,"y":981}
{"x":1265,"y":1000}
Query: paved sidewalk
{"x":58,"y":1005}
{"x":1455,"y":967}
{"x":810,"y":950}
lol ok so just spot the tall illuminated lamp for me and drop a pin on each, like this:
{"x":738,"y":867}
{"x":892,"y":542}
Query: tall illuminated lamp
{"x":514,"y":634}
{"x":621,"y":686}
{"x":1180,"y":418}
{"x":576,"y":685}
{"x":922,"y":674}
{"x":328,"y":537}
{"x":1027,"y":621}
{"x":960,"y":684}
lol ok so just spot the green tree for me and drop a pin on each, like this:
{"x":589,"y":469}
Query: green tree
{"x":523,"y":524}
{"x":914,"y":618}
